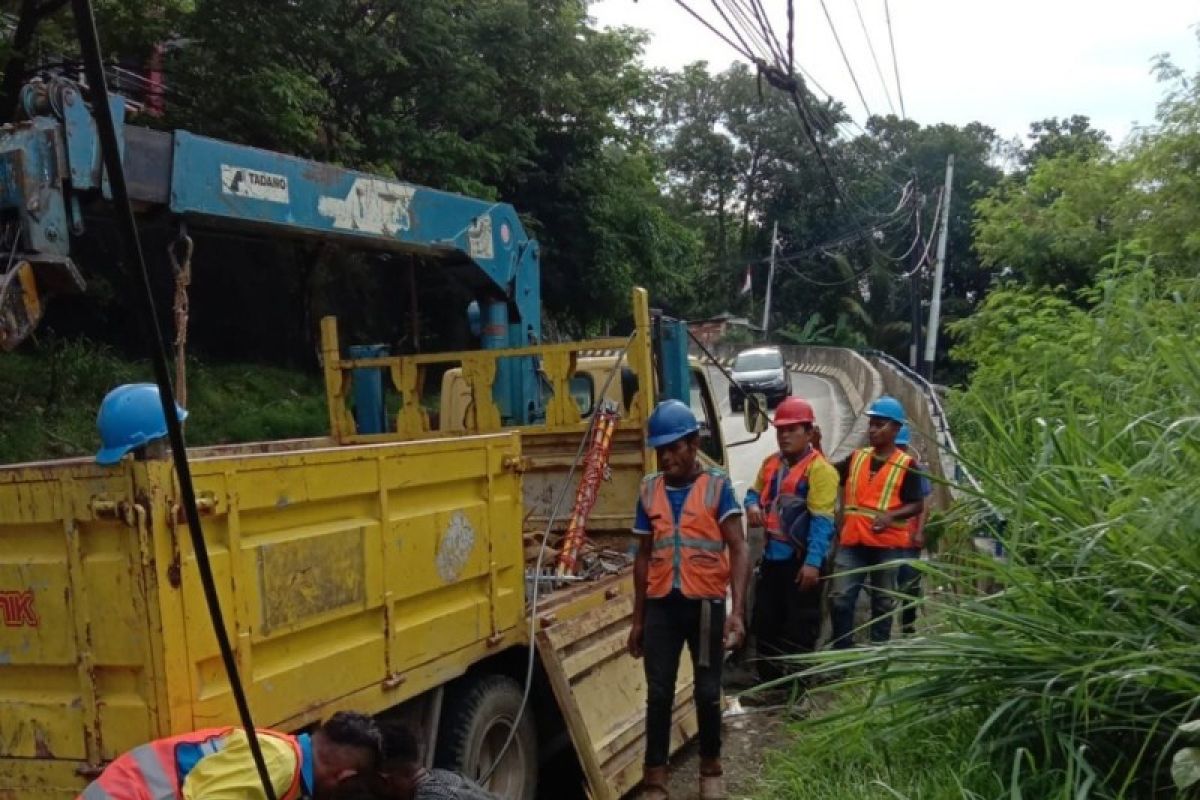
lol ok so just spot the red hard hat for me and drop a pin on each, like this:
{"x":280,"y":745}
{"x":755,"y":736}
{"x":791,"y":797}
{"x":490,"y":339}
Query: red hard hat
{"x":794,"y":411}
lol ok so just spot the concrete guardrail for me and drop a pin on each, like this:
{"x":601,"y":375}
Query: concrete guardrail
{"x":862,"y":378}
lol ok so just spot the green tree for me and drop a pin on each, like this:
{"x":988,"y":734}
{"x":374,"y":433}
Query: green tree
{"x":1052,"y":225}
{"x":1074,"y":136}
{"x":42,"y":34}
{"x":510,"y":99}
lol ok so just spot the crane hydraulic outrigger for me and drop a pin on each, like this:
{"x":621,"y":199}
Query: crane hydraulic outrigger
{"x":51,"y":170}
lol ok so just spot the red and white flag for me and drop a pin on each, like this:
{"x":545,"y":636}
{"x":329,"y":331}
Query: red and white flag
{"x":747,"y":284}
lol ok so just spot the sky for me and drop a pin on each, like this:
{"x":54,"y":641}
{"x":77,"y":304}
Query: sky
{"x":1005,"y":64}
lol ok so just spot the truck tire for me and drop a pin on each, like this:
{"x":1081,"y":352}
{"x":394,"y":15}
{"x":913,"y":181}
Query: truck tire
{"x":475,"y":724}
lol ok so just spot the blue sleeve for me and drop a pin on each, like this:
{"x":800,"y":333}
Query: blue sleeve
{"x":728,"y":504}
{"x":753,"y":498}
{"x":641,"y":522}
{"x":820,"y":535}
{"x":926,"y":486}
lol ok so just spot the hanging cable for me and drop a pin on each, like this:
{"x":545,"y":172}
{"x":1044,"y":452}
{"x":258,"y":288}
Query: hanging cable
{"x":755,"y":9}
{"x":895,"y":64}
{"x":134,"y":263}
{"x":733,"y":28}
{"x":874,"y":58}
{"x":846,"y":59}
{"x":740,"y":19}
{"x":924,"y":260}
{"x":555,"y":508}
{"x":775,"y":72}
{"x":791,"y":16}
{"x":745,"y":53}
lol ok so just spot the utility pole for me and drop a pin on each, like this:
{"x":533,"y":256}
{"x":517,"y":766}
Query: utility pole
{"x":770,"y":280}
{"x":935,"y":304}
{"x":914,"y":287}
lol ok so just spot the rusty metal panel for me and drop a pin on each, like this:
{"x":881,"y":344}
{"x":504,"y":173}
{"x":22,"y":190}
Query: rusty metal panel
{"x":304,"y":577}
{"x":75,"y":685}
{"x":601,"y":689}
{"x":342,"y":570}
{"x":349,"y":576}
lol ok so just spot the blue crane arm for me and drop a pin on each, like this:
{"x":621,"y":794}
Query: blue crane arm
{"x":51,"y":168}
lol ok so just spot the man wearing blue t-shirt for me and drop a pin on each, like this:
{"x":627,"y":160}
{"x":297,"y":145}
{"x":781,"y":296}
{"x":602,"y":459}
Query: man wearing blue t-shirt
{"x":692,"y":551}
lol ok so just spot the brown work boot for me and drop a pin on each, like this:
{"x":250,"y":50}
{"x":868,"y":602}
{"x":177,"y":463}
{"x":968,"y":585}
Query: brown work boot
{"x":654,"y":784}
{"x":712,"y":782}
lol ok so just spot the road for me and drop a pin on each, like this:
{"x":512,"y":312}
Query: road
{"x":828,"y":402}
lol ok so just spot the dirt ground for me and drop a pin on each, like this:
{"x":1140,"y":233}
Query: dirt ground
{"x":748,"y":739}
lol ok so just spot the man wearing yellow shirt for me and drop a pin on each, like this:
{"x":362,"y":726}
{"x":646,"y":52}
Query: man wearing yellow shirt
{"x":793,"y":498}
{"x":216,"y":764}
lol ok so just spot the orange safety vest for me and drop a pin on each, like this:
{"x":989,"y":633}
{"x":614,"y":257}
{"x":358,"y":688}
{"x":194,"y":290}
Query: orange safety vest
{"x":150,"y":771}
{"x":693,"y":544}
{"x":791,"y":479}
{"x":869,"y":495}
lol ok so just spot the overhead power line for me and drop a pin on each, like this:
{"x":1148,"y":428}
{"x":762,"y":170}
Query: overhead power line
{"x":743,"y":19}
{"x":742,"y":50}
{"x":875,"y":59}
{"x":764,"y":22}
{"x":791,"y":16}
{"x":846,"y":59}
{"x":733,"y":28}
{"x":937,"y":213}
{"x":895,"y":64}
{"x":749,"y":23}
{"x":841,"y":241}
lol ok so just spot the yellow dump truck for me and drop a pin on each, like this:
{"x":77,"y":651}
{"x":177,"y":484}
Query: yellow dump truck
{"x":384,"y":573}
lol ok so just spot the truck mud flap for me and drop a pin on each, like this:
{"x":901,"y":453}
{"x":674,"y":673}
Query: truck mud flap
{"x":600,"y":688}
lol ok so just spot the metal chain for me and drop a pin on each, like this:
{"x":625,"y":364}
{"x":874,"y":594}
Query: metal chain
{"x":183,"y":279}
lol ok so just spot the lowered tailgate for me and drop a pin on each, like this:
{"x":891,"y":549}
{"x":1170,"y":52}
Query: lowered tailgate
{"x":600,"y":688}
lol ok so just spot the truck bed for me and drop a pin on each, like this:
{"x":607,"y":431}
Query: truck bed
{"x":350,"y":577}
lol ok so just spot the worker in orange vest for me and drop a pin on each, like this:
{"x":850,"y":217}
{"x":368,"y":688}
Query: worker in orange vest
{"x":216,"y":764}
{"x":692,"y":551}
{"x":793,"y":499}
{"x":881,"y":490}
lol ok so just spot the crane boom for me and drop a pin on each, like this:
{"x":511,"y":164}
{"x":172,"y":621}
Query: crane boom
{"x":51,"y":169}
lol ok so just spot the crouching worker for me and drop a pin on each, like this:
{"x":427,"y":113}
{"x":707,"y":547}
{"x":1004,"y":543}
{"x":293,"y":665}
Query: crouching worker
{"x":793,"y":498}
{"x":216,"y":764}
{"x":692,"y":552}
{"x":131,"y":421}
{"x":404,"y":776}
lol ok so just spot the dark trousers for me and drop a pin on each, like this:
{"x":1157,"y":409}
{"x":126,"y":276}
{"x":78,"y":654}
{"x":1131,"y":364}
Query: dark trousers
{"x":787,"y":621}
{"x":671,"y":622}
{"x":908,"y":583}
{"x":846,"y":587}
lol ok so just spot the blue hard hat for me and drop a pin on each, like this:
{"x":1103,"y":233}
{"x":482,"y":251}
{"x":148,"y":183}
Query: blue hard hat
{"x":670,"y":421}
{"x":887,"y":407}
{"x":130,"y":417}
{"x":903,"y":437}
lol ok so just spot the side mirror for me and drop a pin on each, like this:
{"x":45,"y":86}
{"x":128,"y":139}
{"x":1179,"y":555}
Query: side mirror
{"x":755,"y":414}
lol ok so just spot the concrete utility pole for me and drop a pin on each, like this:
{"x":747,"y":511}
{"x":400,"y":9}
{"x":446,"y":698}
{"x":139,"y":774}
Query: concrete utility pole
{"x":935,"y":305}
{"x":914,"y":284}
{"x":770,"y":280}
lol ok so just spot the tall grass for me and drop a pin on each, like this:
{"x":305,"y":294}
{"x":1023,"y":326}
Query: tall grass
{"x":49,"y":396}
{"x":1070,"y":679}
